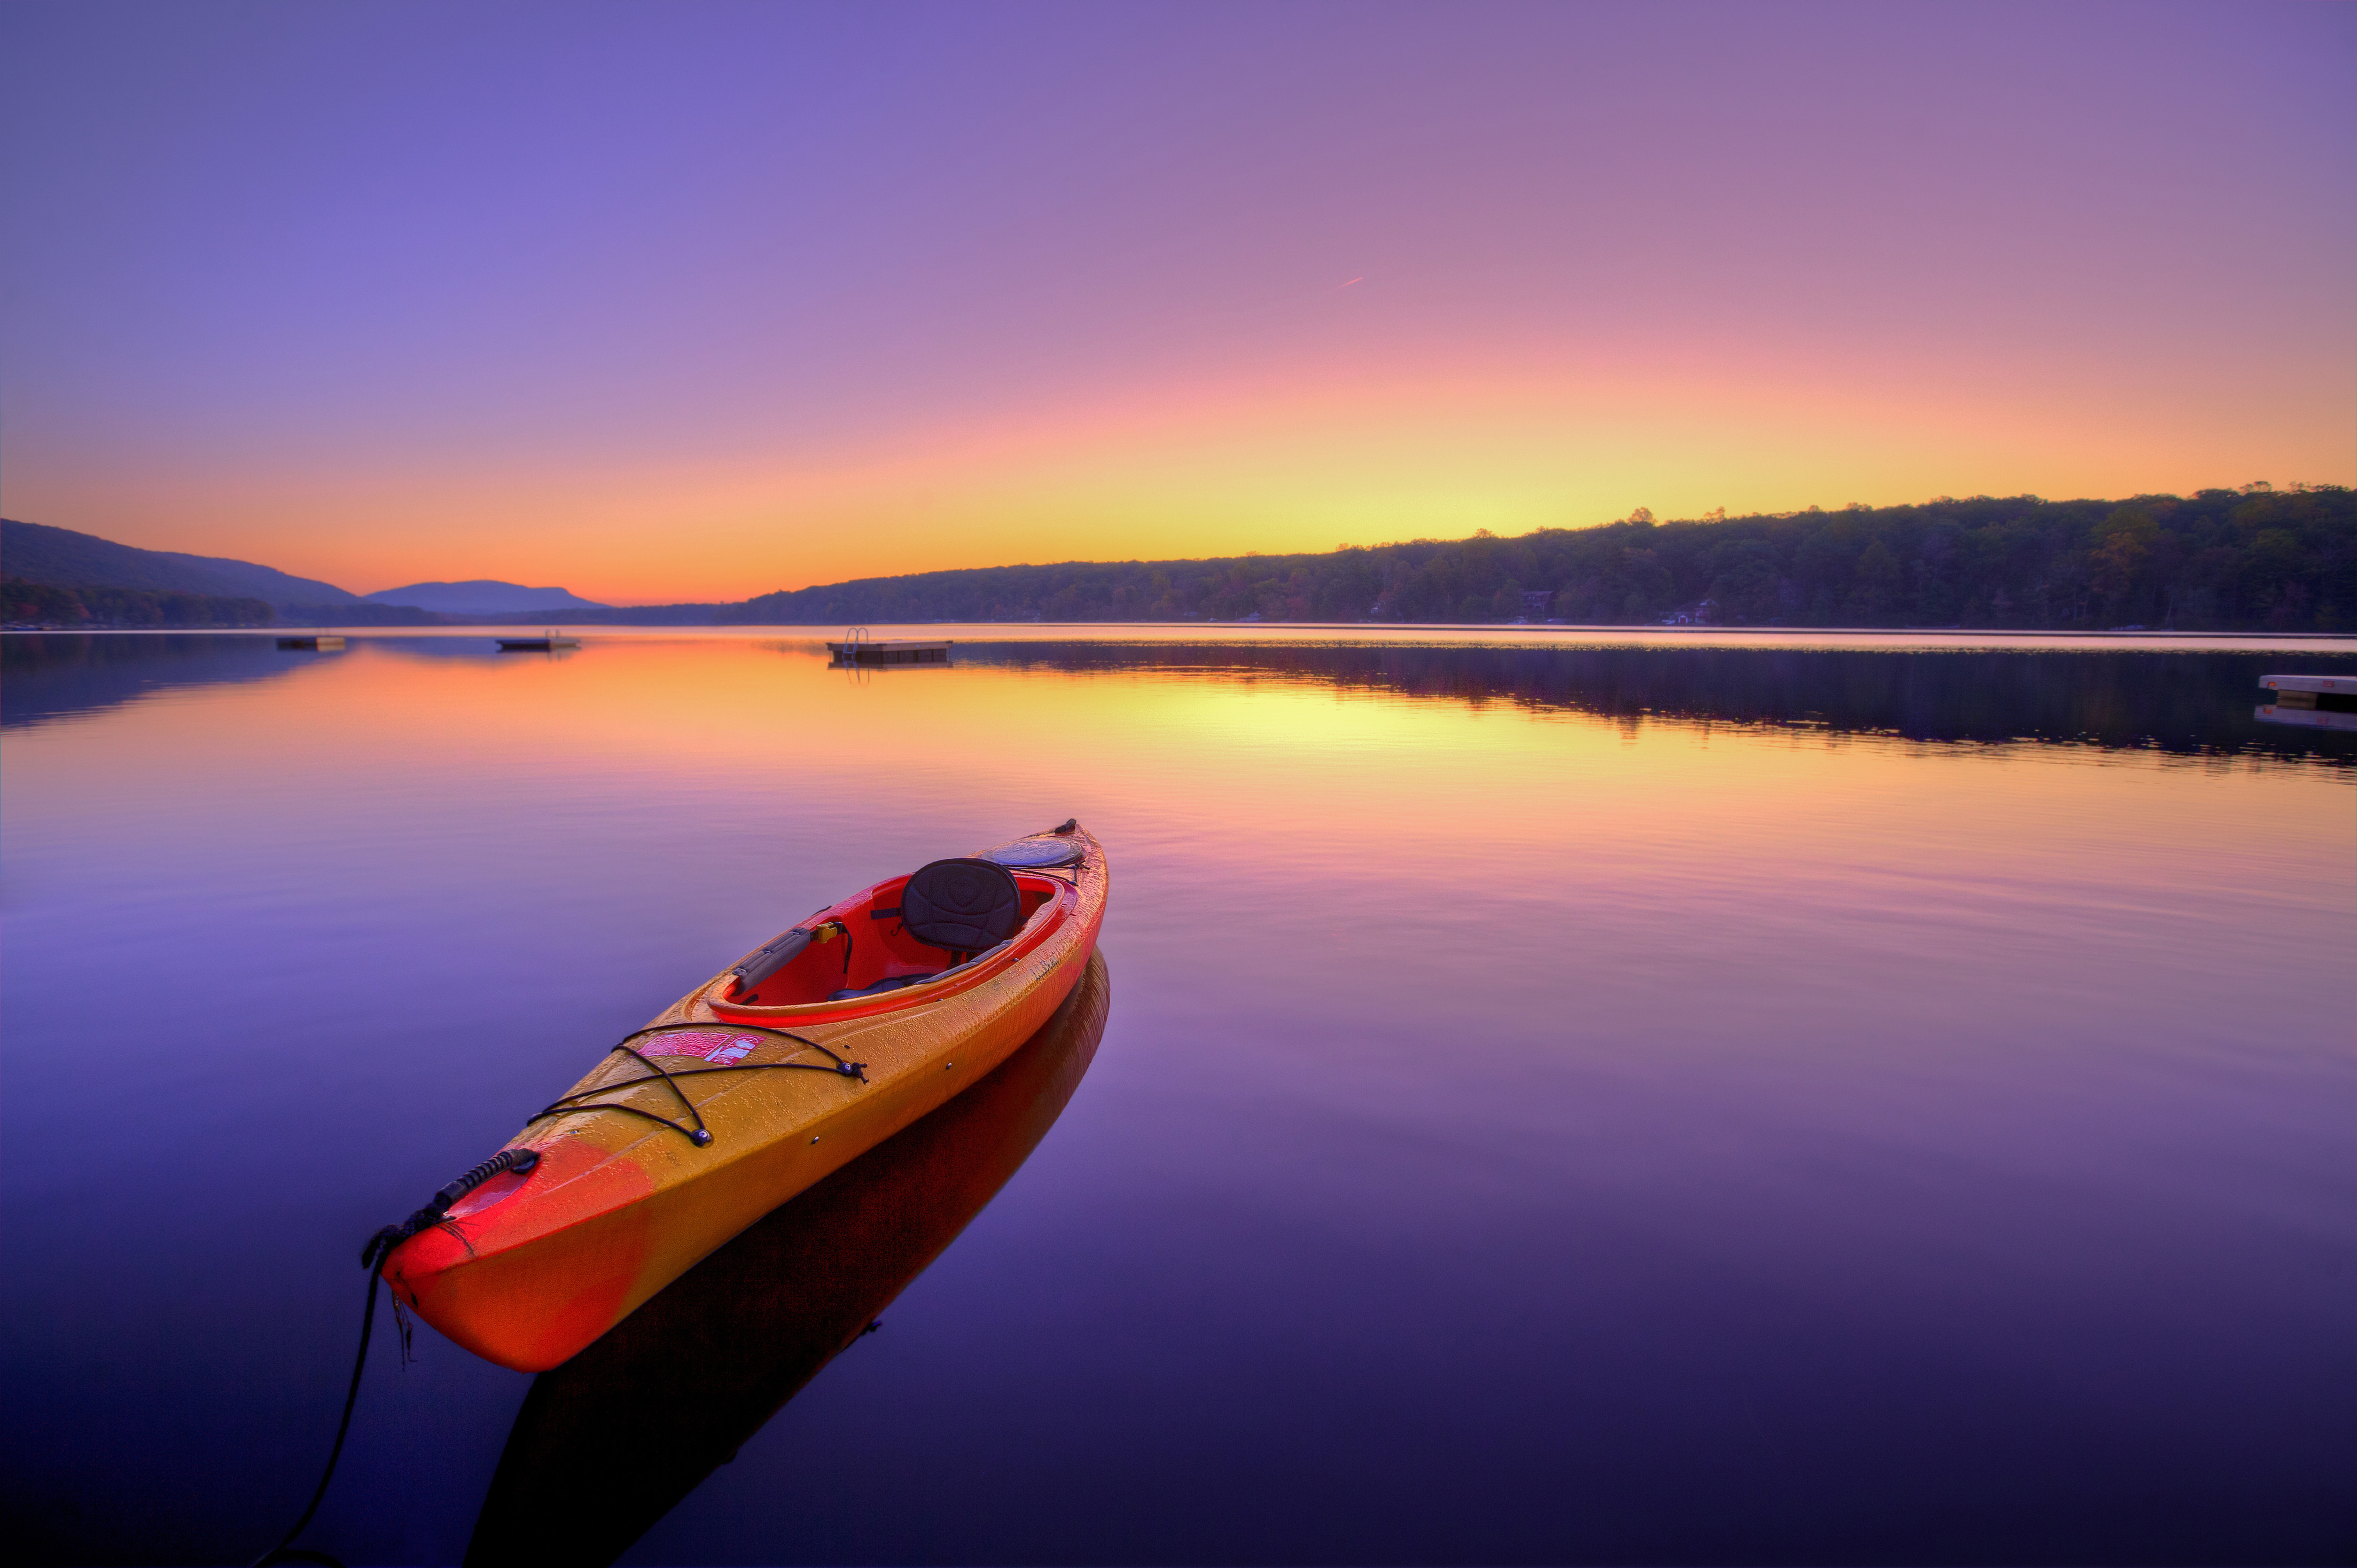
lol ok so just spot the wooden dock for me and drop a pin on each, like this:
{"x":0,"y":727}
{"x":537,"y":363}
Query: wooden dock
{"x":861,"y":652}
{"x":2312,"y":702}
{"x":313,"y":644}
{"x":548,"y":644}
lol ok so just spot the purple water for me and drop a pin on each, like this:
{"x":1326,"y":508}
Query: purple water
{"x":1612,"y":1103}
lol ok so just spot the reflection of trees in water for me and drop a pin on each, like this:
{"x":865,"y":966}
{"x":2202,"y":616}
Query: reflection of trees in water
{"x":52,"y":675}
{"x":2194,"y":704}
{"x":2188,"y":703}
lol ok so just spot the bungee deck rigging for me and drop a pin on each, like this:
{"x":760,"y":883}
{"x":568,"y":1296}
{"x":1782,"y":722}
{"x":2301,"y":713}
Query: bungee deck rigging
{"x":577,"y":1103}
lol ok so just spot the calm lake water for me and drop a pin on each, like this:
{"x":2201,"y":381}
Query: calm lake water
{"x":1559,"y":1100}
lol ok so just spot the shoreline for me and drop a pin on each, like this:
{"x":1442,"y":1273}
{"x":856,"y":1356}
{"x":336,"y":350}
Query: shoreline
{"x":1502,"y":634}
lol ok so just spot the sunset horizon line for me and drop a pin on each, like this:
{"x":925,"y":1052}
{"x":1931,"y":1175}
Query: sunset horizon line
{"x":1639,"y":514}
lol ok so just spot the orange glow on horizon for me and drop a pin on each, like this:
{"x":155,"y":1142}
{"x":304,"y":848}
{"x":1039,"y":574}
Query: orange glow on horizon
{"x":637,"y":320}
{"x":1274,"y":463}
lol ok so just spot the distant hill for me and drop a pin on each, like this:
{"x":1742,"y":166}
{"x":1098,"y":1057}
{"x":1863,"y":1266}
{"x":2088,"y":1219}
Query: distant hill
{"x":59,"y":557}
{"x":482,"y":596}
{"x":2250,"y":559}
{"x":631,"y":615}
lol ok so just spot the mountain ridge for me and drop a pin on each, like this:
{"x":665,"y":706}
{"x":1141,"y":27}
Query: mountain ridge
{"x":52,"y":557}
{"x":62,"y":558}
{"x":2252,"y":558}
{"x":483,"y":595}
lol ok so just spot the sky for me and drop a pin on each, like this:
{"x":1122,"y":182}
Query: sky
{"x":698,"y":300}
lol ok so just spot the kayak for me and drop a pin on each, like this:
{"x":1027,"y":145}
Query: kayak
{"x":781,"y":1068}
{"x":695,"y":1372}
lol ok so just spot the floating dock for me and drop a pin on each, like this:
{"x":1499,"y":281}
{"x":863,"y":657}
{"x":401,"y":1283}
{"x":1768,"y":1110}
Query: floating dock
{"x":313,"y":644}
{"x":549,"y":644}
{"x":864,"y":652}
{"x":2314,"y":701}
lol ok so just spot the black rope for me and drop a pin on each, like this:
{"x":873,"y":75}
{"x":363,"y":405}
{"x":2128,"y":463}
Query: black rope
{"x":580,"y":1101}
{"x":373,"y":1256}
{"x":279,"y":1554}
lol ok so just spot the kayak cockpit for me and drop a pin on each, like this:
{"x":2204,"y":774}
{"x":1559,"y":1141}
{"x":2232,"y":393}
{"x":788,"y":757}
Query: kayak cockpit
{"x":948,"y":919}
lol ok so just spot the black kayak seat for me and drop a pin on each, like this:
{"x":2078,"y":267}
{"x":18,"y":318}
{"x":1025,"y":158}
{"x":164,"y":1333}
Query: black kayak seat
{"x":963,"y":906}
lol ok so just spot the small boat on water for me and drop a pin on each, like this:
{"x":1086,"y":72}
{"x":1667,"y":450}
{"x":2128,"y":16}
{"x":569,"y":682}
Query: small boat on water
{"x":705,"y":1364}
{"x":811,"y":1050}
{"x":889,"y":652}
{"x":859,"y":648}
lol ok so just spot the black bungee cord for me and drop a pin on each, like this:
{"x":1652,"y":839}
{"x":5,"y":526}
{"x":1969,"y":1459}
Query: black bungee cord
{"x":579,"y":1101}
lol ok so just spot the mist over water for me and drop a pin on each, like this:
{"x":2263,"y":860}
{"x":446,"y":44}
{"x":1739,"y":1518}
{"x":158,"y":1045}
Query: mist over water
{"x":1592,"y":1102}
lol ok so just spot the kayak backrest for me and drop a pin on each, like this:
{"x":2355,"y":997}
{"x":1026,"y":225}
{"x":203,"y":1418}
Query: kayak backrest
{"x":963,"y":906}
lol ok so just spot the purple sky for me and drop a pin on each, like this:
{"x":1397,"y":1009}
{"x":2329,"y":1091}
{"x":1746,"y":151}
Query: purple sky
{"x":700,"y":300}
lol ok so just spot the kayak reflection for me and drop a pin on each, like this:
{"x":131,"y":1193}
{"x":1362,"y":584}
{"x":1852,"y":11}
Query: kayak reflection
{"x":704,"y":1366}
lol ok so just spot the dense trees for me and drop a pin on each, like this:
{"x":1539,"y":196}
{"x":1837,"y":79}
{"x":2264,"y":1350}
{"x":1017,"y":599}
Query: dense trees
{"x":41,"y":604}
{"x":2252,"y":559}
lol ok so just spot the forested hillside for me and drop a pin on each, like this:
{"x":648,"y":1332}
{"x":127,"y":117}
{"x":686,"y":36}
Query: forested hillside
{"x":2254,"y":559}
{"x":65,"y":559}
{"x":41,"y":604}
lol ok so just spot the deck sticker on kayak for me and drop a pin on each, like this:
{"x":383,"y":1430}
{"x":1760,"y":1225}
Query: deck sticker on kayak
{"x":719,"y":1049}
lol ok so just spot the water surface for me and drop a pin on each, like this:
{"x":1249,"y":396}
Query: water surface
{"x":1563,"y":1100}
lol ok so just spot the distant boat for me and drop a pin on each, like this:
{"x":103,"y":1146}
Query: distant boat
{"x":859,"y":648}
{"x":548,"y":642}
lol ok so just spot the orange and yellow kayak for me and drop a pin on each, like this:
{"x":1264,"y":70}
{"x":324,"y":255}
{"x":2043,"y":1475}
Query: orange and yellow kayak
{"x":705,"y":1364}
{"x":810,"y":1050}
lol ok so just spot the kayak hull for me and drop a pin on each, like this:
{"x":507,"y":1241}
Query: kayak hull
{"x":528,"y":1269}
{"x":695,"y":1372}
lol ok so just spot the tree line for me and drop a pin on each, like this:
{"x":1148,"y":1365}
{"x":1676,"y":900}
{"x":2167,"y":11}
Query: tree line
{"x":43,"y":604}
{"x":2249,"y":559}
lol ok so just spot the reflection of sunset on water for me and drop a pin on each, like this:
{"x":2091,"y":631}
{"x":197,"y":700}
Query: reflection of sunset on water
{"x":1597,"y":816}
{"x":1562,"y":1040}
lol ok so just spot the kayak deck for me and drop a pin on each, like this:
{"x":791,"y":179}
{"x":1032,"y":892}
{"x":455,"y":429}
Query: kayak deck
{"x":747,"y":1091}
